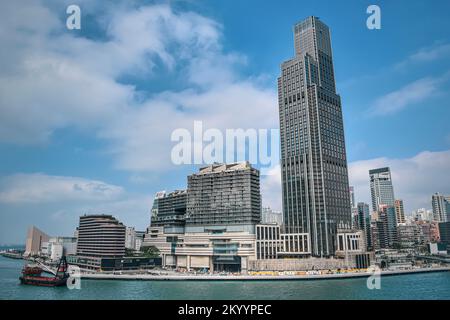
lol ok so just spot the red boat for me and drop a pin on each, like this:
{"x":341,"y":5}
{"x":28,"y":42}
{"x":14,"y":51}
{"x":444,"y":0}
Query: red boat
{"x":31,"y":270}
{"x":33,"y":276}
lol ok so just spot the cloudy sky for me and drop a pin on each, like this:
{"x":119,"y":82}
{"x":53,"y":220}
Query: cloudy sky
{"x":86,"y":115}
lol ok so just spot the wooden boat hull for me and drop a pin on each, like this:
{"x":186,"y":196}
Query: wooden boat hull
{"x":43,"y":281}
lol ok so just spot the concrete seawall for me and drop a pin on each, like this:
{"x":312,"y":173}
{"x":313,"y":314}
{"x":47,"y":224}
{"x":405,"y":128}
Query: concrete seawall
{"x":181,"y":277}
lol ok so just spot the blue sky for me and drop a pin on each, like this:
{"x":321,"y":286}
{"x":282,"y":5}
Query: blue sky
{"x":86,"y":115}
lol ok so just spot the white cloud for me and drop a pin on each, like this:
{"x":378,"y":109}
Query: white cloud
{"x":271,"y":189}
{"x":55,"y":203}
{"x":62,"y":80}
{"x":146,"y":145}
{"x":426,"y":54}
{"x":411,"y":93}
{"x":41,"y":188}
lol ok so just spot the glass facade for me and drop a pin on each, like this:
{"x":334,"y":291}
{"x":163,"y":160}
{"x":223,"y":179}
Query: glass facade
{"x":316,"y":197}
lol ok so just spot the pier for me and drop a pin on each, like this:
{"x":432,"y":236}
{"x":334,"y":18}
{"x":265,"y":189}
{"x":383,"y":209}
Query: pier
{"x":206,"y":277}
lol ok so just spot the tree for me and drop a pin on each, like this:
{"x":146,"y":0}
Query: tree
{"x":150,"y":252}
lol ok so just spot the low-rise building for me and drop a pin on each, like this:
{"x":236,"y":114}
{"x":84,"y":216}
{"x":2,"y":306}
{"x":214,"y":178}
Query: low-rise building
{"x":394,"y":259}
{"x":350,"y":242}
{"x":35,"y":239}
{"x":56,"y":247}
{"x":437,"y":248}
{"x":213,"y":249}
{"x":295,"y":245}
{"x":268,"y":241}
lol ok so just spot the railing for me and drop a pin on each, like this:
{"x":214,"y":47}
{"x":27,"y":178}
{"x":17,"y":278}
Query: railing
{"x":46,"y":268}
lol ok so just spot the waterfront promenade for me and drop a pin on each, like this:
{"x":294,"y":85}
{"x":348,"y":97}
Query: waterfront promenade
{"x":174,"y":276}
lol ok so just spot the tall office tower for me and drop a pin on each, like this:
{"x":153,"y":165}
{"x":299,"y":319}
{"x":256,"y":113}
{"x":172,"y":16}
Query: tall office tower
{"x":224,"y":195}
{"x":439,"y":205}
{"x":381,"y":188}
{"x":364,"y":222}
{"x":315,"y":187}
{"x":100,"y":236}
{"x":399,"y":211}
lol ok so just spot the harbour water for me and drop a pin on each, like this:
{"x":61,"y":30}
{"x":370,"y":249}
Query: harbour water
{"x":412,"y":286}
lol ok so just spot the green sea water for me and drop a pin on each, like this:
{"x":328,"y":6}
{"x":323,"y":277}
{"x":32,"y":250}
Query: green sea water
{"x":417,"y":287}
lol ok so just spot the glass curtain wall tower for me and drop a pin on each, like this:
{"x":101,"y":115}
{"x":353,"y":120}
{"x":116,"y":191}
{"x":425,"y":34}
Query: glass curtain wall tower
{"x":381,"y":188}
{"x":316,"y":198}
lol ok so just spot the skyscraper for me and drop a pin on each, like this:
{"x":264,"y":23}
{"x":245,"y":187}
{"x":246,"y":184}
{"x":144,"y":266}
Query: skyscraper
{"x":316,"y":198}
{"x":400,"y":211}
{"x":440,"y":206}
{"x":381,"y":188}
{"x":364,"y":222}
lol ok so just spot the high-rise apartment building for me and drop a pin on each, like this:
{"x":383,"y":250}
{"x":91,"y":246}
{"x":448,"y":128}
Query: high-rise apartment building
{"x":100,"y":236}
{"x":440,"y":206}
{"x":224,"y":194}
{"x":381,"y":188}
{"x":169,"y":210}
{"x":399,"y":211}
{"x":387,"y":227}
{"x":315,"y":187}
